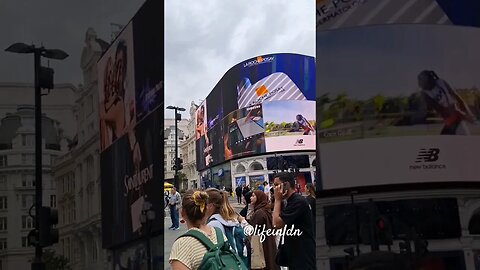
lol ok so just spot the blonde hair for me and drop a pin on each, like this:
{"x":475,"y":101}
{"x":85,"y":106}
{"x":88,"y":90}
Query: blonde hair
{"x":219,"y":199}
{"x":193,"y":203}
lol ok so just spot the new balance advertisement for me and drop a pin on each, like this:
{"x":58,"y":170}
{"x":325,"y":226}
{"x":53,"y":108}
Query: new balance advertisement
{"x":336,"y":14}
{"x":131,"y":129}
{"x":400,"y":106}
{"x":234,"y":107}
{"x":289,"y":125}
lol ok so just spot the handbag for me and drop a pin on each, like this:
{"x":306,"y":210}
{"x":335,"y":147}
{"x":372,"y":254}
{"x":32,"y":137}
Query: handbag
{"x":281,"y":258}
{"x":258,"y":255}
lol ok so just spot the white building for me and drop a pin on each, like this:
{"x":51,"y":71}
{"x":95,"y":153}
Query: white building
{"x":77,"y":173}
{"x":188,"y":151}
{"x":169,"y":140}
{"x":17,"y":180}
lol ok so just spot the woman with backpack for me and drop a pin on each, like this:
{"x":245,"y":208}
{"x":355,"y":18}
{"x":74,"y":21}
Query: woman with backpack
{"x":187,"y":251}
{"x":221,"y":215}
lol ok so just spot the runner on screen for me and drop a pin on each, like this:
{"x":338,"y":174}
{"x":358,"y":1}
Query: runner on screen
{"x":446,"y":102}
{"x":302,"y":123}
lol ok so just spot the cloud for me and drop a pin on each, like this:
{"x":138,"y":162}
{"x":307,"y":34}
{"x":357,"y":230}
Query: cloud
{"x":205,"y":39}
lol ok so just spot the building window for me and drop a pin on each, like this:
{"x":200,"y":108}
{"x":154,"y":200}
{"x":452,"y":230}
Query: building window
{"x":94,"y":250}
{"x":28,"y":180}
{"x":27,"y":222}
{"x":3,"y":181}
{"x":3,"y":223}
{"x":3,"y":203}
{"x":28,"y":140}
{"x":3,"y":161}
{"x":3,"y":243}
{"x":74,"y":211}
{"x":53,"y":201}
{"x":24,"y":242}
{"x":89,"y":162}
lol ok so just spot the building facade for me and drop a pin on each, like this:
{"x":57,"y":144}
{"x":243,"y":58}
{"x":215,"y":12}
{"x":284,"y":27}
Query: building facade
{"x":77,"y":173}
{"x":188,"y":151}
{"x":169,"y":144}
{"x":17,"y":181}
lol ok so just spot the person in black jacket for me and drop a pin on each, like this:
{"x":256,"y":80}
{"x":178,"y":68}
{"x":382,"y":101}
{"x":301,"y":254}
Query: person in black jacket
{"x":238,"y":192}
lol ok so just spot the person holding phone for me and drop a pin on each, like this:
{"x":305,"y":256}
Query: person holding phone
{"x":297,"y":251}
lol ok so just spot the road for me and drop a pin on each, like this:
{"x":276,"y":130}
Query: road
{"x":170,"y":235}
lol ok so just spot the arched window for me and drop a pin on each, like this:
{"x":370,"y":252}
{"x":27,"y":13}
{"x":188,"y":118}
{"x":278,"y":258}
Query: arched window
{"x":256,"y":166}
{"x":474,"y":224}
{"x":240,"y":169}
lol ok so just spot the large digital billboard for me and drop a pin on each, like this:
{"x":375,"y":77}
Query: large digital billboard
{"x":336,"y":14}
{"x":231,"y":122}
{"x":401,"y":106}
{"x":131,"y":116}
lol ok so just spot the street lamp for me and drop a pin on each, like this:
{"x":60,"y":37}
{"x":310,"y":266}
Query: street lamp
{"x":43,"y":79}
{"x":146,"y":218}
{"x":177,"y":165}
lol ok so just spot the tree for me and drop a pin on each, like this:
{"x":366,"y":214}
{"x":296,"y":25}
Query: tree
{"x":54,"y":261}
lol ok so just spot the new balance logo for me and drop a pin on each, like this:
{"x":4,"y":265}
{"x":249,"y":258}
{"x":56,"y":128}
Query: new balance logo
{"x":427,"y":155}
{"x":299,"y":141}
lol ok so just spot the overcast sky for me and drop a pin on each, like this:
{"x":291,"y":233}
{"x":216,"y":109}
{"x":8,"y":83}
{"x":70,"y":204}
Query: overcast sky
{"x":203,"y":39}
{"x":57,"y":24}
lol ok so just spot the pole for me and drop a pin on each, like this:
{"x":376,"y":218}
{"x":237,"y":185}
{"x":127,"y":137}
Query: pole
{"x":149,"y":249}
{"x":38,"y":264}
{"x":357,"y":231}
{"x":176,"y":152}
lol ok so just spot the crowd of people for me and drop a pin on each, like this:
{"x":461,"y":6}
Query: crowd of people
{"x":218,"y":234}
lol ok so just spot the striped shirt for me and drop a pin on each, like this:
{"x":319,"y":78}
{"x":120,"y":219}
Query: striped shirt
{"x":190,"y":251}
{"x":277,"y":86}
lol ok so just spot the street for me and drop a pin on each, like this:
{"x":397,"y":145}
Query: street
{"x":171,"y":236}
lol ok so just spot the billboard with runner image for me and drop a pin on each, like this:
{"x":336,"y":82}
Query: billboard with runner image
{"x":396,"y":108}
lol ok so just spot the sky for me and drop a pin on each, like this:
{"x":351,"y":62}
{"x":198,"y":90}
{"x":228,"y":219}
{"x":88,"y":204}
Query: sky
{"x":387,"y":59}
{"x":57,"y":24}
{"x":203,"y":39}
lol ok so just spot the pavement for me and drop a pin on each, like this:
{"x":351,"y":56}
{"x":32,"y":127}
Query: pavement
{"x":171,"y":236}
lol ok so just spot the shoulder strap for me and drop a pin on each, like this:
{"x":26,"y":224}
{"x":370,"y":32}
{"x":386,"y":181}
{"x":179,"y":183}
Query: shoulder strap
{"x":202,"y":238}
{"x":219,"y":235}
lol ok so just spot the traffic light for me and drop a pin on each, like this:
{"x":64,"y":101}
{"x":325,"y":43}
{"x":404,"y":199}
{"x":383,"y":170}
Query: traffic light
{"x":48,"y":235}
{"x":179,"y":164}
{"x":178,"y":117}
{"x":383,"y":231}
{"x":46,"y":78}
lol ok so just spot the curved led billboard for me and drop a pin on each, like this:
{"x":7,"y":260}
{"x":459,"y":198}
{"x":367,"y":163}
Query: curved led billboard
{"x":336,"y":14}
{"x":400,"y":106}
{"x":240,"y":117}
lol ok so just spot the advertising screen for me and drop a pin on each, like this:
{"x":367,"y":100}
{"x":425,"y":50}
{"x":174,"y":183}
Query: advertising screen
{"x":234,"y":107}
{"x":335,"y":14}
{"x":289,"y":125}
{"x":131,"y":128}
{"x":399,"y":107}
{"x":116,"y":86}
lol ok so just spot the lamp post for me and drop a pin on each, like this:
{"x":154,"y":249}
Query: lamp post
{"x":146,"y":218}
{"x":178,"y":117}
{"x":43,"y":79}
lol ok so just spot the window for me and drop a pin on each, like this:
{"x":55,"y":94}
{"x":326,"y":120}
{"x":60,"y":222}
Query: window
{"x":74,"y":211}
{"x":28,"y":180}
{"x":28,"y":159}
{"x":89,"y":162}
{"x":3,"y":243}
{"x":53,"y":201}
{"x":24,"y":241}
{"x":28,"y":140}
{"x":27,"y":222}
{"x":3,"y":224}
{"x":3,"y":161}
{"x":94,"y":250}
{"x":3,"y":203}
